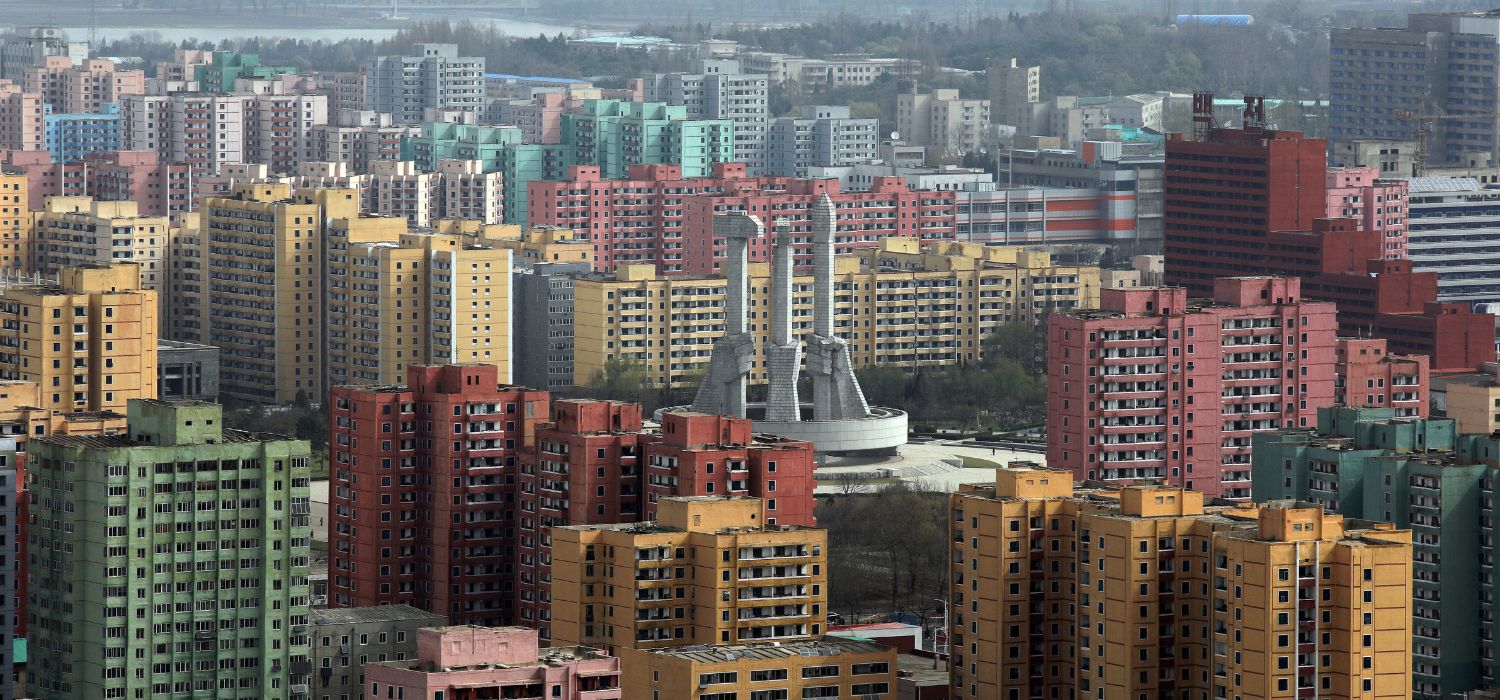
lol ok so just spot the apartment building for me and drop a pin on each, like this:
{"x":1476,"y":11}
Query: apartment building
{"x":594,"y":464}
{"x":943,"y":121}
{"x":278,"y":129}
{"x":1367,"y":375}
{"x":1257,"y":356}
{"x":1439,"y":63}
{"x":342,"y":641}
{"x":615,"y":135}
{"x":821,"y":136}
{"x":500,"y":149}
{"x":88,"y":339}
{"x":1107,"y":593}
{"x":30,"y":46}
{"x":1253,"y":201}
{"x":708,"y":570}
{"x":506,"y":662}
{"x":432,"y":76}
{"x":73,"y":137}
{"x":457,"y":189}
{"x":15,"y":223}
{"x":22,"y":118}
{"x":1378,"y":204}
{"x":1453,"y":229}
{"x":394,"y":299}
{"x":1014,"y":91}
{"x":259,"y":296}
{"x":718,"y":89}
{"x":209,"y":130}
{"x":830,"y":72}
{"x":82,"y":231}
{"x":358,"y":138}
{"x":158,"y":188}
{"x":1422,"y":474}
{"x":825,"y":667}
{"x":1127,"y":181}
{"x":84,"y":86}
{"x":421,"y":504}
{"x":231,"y":626}
{"x":901,"y":304}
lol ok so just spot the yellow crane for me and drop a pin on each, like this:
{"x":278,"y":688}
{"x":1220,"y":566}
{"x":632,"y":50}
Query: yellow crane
{"x":1424,"y":125}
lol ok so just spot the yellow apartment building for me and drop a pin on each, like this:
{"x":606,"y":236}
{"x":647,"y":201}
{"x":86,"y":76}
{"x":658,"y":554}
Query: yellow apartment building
{"x":394,"y":298}
{"x":15,"y":224}
{"x":88,"y":339}
{"x":708,"y":571}
{"x":830,"y":667}
{"x":74,"y":231}
{"x":1143,"y":592}
{"x":902,"y":304}
{"x":22,"y":417}
{"x":260,"y":299}
{"x":548,"y":244}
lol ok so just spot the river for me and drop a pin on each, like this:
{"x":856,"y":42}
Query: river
{"x":377,"y":33}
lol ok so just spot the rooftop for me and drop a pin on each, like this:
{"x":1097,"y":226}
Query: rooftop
{"x":374,"y":613}
{"x":115,"y":442}
{"x":721,"y":653}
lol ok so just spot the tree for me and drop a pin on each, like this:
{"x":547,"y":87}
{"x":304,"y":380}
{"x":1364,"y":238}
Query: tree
{"x":620,"y":379}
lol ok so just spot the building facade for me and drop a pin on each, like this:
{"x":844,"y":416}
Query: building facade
{"x":1128,"y":381}
{"x":708,"y":570}
{"x":911,"y":286}
{"x":719,"y":90}
{"x":1378,"y":204}
{"x":1455,"y":226}
{"x":432,"y":76}
{"x":70,"y":137}
{"x":461,"y":662}
{"x":943,"y":121}
{"x":1367,"y":375}
{"x":344,"y":640}
{"x":404,"y":491}
{"x":1122,"y":593}
{"x":172,"y":621}
{"x":1419,"y":474}
{"x":88,"y":339}
{"x":822,"y":136}
{"x":825,"y":667}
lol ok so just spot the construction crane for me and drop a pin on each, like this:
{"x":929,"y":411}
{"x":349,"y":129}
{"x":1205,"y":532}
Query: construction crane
{"x":1424,"y":125}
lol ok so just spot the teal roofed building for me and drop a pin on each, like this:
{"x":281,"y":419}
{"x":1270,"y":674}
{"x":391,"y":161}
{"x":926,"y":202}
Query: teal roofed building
{"x":228,"y":66}
{"x":1419,"y":474}
{"x":615,"y":135}
{"x":608,"y":133}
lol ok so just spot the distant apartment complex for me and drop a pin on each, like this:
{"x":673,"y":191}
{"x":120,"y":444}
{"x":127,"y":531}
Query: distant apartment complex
{"x":719,"y":90}
{"x":890,"y":292}
{"x":432,"y":76}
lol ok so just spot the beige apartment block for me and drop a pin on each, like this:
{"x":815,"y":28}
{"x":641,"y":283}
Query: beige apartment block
{"x":87,"y":339}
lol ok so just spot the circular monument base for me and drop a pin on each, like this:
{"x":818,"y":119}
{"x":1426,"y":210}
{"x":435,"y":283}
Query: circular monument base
{"x":881,"y":432}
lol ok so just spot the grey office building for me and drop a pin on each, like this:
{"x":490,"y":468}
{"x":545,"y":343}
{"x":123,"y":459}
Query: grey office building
{"x":187,"y":371}
{"x":821,"y":137}
{"x":345,"y":639}
{"x":1440,"y":64}
{"x":1453,"y":229}
{"x":543,"y":325}
{"x":434,"y":76}
{"x":720,"y":91}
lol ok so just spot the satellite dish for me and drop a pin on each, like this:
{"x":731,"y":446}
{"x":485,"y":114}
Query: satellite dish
{"x":895,"y":136}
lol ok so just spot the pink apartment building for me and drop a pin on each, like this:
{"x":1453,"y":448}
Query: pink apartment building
{"x":183,"y":65}
{"x":1378,"y":204}
{"x":160,"y":189}
{"x":470,"y":663}
{"x":656,"y":216}
{"x":1156,"y":386}
{"x":82,"y":88}
{"x":22,"y":119}
{"x":1368,"y":376}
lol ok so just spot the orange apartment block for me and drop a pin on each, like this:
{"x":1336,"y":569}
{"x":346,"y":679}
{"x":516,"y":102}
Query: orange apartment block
{"x":1143,"y":592}
{"x":708,"y":571}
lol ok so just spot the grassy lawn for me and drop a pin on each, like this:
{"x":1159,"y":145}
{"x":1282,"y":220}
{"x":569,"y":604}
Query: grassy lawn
{"x":320,"y":546}
{"x":978,"y":463}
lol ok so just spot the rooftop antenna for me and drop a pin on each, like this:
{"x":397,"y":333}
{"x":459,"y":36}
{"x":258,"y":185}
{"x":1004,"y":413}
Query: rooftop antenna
{"x":93,"y":26}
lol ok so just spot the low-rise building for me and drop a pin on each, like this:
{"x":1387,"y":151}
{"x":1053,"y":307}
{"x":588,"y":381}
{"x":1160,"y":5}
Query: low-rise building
{"x":1367,"y":376}
{"x":187,"y":371}
{"x":343,"y":640}
{"x":506,"y":662}
{"x":823,"y":667}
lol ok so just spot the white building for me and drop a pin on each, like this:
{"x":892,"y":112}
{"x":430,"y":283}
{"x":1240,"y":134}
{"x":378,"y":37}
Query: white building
{"x":719,"y":90}
{"x":433,"y":76}
{"x":1453,"y":229}
{"x":821,"y":137}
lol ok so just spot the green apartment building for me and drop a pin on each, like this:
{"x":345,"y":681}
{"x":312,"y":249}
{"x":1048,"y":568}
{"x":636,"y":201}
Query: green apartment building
{"x":609,"y":133}
{"x":1420,"y":474}
{"x":228,"y":66}
{"x":615,"y":135}
{"x":169,"y":562}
